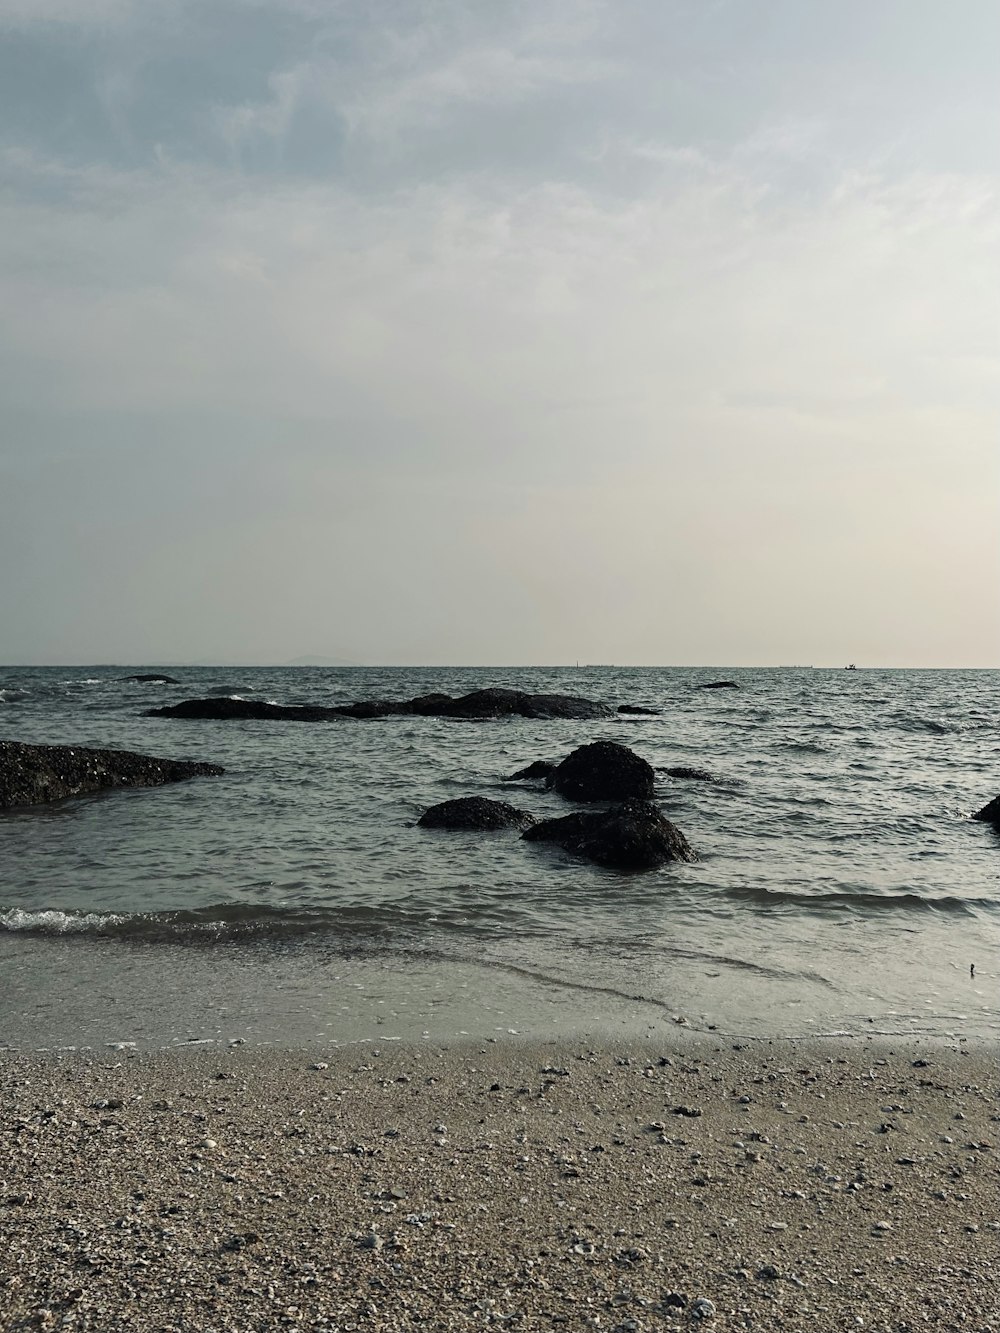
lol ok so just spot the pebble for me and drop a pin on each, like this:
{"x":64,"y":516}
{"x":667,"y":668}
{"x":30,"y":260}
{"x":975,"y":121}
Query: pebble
{"x":702,"y":1308}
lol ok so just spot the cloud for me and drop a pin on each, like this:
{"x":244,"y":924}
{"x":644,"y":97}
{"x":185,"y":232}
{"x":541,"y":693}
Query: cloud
{"x":528,"y":331}
{"x":76,"y":13}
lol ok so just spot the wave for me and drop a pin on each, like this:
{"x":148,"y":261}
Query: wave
{"x":860,"y":902}
{"x":247,"y":922}
{"x":936,"y":727}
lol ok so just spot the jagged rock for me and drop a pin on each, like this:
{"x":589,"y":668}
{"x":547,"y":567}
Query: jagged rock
{"x":990,"y":814}
{"x":475,"y":812}
{"x":719,"y":685}
{"x":638,"y":710}
{"x":603,"y":771}
{"x":480,"y":704}
{"x":631,"y":836}
{"x":33,"y":774}
{"x":153,"y":679}
{"x":541,"y":768}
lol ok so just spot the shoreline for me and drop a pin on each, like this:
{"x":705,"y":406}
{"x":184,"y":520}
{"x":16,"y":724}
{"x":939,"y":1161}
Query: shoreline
{"x":576,"y":1183}
{"x":74,"y":993}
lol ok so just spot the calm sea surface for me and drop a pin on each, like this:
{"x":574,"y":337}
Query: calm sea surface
{"x":841,"y":886}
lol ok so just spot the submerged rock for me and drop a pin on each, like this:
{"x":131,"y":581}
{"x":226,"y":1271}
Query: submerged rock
{"x":638,"y":710}
{"x":475,"y":812}
{"x":631,"y":836}
{"x":480,"y":704}
{"x":719,"y":685}
{"x":541,"y":768}
{"x":34,"y":774}
{"x":152,"y":679}
{"x":603,"y":771}
{"x":990,"y":814}
{"x":689,"y":774}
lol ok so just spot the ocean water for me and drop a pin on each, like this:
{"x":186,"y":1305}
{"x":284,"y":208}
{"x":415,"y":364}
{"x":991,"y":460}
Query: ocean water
{"x":841,"y":886}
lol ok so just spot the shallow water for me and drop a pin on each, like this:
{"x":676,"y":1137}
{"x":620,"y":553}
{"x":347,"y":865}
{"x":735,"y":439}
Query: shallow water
{"x":841,"y":885}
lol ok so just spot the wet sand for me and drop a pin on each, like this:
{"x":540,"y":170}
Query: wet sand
{"x":653,"y":1186}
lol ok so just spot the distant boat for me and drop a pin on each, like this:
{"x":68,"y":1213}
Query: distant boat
{"x":850,"y":667}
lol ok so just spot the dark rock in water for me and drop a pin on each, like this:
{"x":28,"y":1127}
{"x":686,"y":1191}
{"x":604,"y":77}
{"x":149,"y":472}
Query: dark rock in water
{"x":541,"y":768}
{"x":638,"y":710}
{"x":475,"y":812}
{"x":516,"y":703}
{"x":33,"y":774}
{"x":481,"y":704}
{"x":603,"y":771}
{"x":689,"y":774}
{"x":225,"y":709}
{"x":369,"y":708}
{"x":153,"y":680}
{"x":631,"y":836}
{"x":990,"y":814}
{"x":719,"y":685}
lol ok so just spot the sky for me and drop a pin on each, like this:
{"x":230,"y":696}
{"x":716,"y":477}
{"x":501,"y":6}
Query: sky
{"x":529,"y":331}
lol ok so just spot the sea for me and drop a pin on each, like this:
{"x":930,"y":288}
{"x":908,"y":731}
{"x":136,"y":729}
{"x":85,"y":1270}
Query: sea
{"x":841,"y":888}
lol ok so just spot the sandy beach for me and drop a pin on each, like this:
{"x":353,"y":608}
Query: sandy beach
{"x":652,"y":1186}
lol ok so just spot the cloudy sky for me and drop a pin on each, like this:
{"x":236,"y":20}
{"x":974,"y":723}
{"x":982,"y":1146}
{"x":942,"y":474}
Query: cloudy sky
{"x":490,"y":331}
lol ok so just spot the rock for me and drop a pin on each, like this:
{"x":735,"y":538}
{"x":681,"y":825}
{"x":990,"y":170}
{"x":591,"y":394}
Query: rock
{"x":475,"y":812}
{"x":990,"y":814}
{"x":631,"y":836}
{"x":541,"y":768}
{"x":719,"y":685}
{"x":603,"y":771}
{"x":638,"y":710}
{"x":702,"y":1308}
{"x":152,"y":680}
{"x":479,"y":705}
{"x":510,"y":703}
{"x":689,"y":774}
{"x":226,"y":709}
{"x":33,"y":774}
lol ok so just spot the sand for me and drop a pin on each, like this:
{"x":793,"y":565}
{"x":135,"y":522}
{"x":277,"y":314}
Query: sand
{"x":503,"y":1185}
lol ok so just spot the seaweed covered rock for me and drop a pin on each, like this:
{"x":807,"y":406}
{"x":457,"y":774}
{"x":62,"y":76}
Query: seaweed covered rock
{"x":34,"y":774}
{"x":634,"y":835}
{"x":603,"y":771}
{"x":475,"y":812}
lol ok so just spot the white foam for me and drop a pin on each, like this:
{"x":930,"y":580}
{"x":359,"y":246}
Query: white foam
{"x":54,"y":922}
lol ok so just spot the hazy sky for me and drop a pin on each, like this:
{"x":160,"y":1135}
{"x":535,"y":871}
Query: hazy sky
{"x":488,"y":331}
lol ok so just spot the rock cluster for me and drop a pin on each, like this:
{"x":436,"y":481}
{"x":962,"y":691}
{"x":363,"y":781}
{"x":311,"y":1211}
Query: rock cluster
{"x":632,"y":835}
{"x":479,"y":705}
